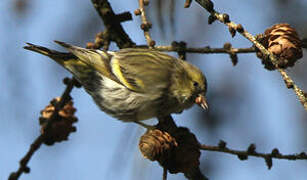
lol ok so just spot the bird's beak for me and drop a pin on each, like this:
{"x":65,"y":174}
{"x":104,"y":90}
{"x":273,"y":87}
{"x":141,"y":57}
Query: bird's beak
{"x":201,"y":101}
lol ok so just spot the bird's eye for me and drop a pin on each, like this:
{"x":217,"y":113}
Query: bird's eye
{"x":195,"y":84}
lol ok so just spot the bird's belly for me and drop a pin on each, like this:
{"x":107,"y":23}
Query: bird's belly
{"x":123,"y":104}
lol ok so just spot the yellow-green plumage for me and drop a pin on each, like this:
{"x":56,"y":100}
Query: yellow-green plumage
{"x":132,"y":84}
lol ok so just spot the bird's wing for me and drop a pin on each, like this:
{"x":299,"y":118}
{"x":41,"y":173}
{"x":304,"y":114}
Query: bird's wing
{"x":140,"y":70}
{"x":143,"y":70}
{"x":97,"y":59}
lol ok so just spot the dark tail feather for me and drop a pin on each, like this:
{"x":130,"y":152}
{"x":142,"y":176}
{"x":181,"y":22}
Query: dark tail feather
{"x":63,"y":44}
{"x":58,"y":56}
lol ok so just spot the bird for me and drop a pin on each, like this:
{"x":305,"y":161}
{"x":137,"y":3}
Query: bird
{"x":132,"y":84}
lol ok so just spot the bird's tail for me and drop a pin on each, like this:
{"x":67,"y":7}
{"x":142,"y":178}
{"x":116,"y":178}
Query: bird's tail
{"x":71,"y":61}
{"x":57,"y":56}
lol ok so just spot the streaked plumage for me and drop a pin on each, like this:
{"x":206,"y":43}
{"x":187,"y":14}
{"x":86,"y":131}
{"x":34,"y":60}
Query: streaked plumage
{"x":132,"y":84}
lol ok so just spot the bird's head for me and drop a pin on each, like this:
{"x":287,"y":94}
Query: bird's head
{"x":191,"y":86}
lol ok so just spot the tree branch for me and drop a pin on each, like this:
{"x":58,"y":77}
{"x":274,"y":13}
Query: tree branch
{"x":233,"y":27}
{"x":23,"y":168}
{"x":251,"y":151}
{"x":164,"y":177}
{"x":112,"y":23}
{"x":206,"y":50}
{"x":146,"y":25}
{"x":168,"y":124}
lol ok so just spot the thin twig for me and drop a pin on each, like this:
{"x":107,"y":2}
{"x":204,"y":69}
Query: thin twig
{"x":301,"y":156}
{"x":164,"y":174}
{"x":146,"y":25}
{"x":225,"y":19}
{"x":181,"y":49}
{"x":206,"y":50}
{"x":251,"y":151}
{"x":23,"y":168}
{"x":290,"y":84}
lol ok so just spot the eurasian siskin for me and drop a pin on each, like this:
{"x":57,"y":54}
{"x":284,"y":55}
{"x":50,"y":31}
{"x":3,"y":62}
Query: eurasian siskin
{"x":133,"y":84}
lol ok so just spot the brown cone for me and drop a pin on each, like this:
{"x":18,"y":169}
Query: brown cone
{"x":177,"y":153}
{"x":284,"y":42}
{"x":62,"y":126}
{"x":155,"y":143}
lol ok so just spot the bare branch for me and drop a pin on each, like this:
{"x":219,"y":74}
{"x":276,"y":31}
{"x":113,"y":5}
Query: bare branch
{"x":168,"y":124}
{"x":164,"y":174}
{"x":251,"y":151}
{"x":225,"y":19}
{"x":23,"y":168}
{"x":146,"y":25}
{"x":206,"y":50}
{"x":112,"y":23}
